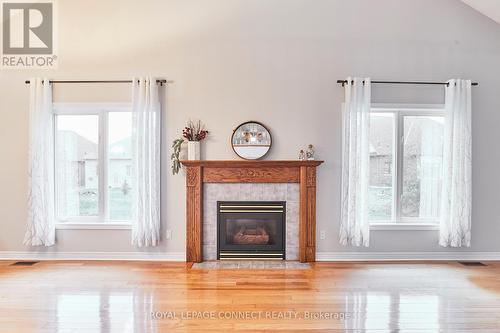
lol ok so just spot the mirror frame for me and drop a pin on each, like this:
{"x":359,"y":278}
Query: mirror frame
{"x":252,"y":122}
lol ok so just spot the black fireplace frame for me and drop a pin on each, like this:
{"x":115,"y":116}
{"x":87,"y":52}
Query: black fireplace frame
{"x":269,"y":251}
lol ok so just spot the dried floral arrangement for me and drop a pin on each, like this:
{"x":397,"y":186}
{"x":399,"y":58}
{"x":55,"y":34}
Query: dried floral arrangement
{"x":194,"y":131}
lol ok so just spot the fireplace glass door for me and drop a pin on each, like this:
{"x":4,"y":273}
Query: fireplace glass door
{"x":252,"y":230}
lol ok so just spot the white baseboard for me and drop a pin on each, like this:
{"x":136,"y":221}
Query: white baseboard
{"x":401,"y":256}
{"x":139,"y":256}
{"x":320,"y":256}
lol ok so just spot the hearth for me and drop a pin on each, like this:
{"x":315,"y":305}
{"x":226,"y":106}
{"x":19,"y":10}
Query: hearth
{"x":251,"y":230}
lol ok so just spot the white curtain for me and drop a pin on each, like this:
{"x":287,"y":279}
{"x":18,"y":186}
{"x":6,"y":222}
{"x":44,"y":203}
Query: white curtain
{"x":456,"y":196}
{"x":41,"y":215}
{"x":146,"y":123}
{"x":354,"y":226}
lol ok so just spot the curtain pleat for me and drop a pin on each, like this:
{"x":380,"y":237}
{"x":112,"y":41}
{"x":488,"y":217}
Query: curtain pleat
{"x":456,"y":196}
{"x":146,"y":113}
{"x":41,"y":212}
{"x":354,"y":226}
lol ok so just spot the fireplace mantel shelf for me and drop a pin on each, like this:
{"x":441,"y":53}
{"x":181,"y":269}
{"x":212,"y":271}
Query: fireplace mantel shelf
{"x":199,"y":172}
{"x":249,"y":163}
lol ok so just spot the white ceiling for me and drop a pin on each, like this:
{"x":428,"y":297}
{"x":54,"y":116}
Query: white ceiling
{"x":490,"y":8}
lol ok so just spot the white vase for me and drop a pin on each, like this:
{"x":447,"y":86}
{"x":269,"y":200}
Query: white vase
{"x":193,"y":150}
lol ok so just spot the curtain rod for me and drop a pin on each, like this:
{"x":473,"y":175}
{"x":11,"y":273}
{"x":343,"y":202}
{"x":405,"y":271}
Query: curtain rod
{"x":407,"y":82}
{"x":160,"y":81}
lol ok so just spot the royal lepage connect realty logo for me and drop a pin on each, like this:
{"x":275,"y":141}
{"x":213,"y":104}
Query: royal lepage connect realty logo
{"x":28,"y":31}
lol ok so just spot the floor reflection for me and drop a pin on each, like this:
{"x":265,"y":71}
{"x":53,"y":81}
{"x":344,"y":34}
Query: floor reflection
{"x":104,"y":312}
{"x":413,"y":309}
{"x":378,"y":311}
{"x":392,"y":311}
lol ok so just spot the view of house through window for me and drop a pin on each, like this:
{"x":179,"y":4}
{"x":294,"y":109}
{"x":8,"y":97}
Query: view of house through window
{"x":120,"y":165}
{"x":93,"y":165}
{"x":406,"y":161}
{"x":381,"y":191}
{"x":77,"y":175}
{"x":422,"y":166}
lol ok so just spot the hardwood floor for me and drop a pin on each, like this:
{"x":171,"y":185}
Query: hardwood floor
{"x":125,"y":296}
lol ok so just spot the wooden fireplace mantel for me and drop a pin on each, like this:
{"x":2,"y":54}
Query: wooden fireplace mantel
{"x":238,"y":171}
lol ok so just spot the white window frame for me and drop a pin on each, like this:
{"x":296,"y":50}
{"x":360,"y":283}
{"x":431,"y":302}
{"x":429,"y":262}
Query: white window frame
{"x":400,"y":111}
{"x":102,"y":110}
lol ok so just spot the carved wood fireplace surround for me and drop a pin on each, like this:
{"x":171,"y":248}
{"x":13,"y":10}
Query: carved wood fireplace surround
{"x":235,"y":171}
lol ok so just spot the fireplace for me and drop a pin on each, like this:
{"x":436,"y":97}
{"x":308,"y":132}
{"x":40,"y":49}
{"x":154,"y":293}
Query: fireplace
{"x":251,"y":230}
{"x":199,"y":174}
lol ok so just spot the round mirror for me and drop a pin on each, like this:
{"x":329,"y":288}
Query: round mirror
{"x":251,"y":140}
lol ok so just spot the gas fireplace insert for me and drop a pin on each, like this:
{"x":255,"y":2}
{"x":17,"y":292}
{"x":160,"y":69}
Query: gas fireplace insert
{"x":251,"y":230}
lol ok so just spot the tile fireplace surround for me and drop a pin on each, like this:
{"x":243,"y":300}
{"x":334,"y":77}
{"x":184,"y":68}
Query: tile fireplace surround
{"x":290,"y":181}
{"x":250,"y":192}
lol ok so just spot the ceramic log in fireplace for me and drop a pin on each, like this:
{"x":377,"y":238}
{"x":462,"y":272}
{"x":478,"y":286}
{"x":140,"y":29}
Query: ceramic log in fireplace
{"x":251,"y":230}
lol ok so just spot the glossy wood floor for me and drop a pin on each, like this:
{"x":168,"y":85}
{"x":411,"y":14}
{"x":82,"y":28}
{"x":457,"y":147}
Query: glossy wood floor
{"x":357,"y":297}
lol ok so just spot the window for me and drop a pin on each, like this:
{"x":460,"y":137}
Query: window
{"x":93,"y":163}
{"x":406,"y":161}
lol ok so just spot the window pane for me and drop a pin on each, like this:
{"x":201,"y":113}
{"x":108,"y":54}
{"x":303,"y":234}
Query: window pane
{"x":381,"y":166}
{"x":422,"y":166}
{"x":120,"y":166}
{"x":76,"y":165}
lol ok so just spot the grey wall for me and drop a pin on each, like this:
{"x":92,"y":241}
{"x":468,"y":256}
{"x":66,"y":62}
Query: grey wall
{"x":275,"y":61}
